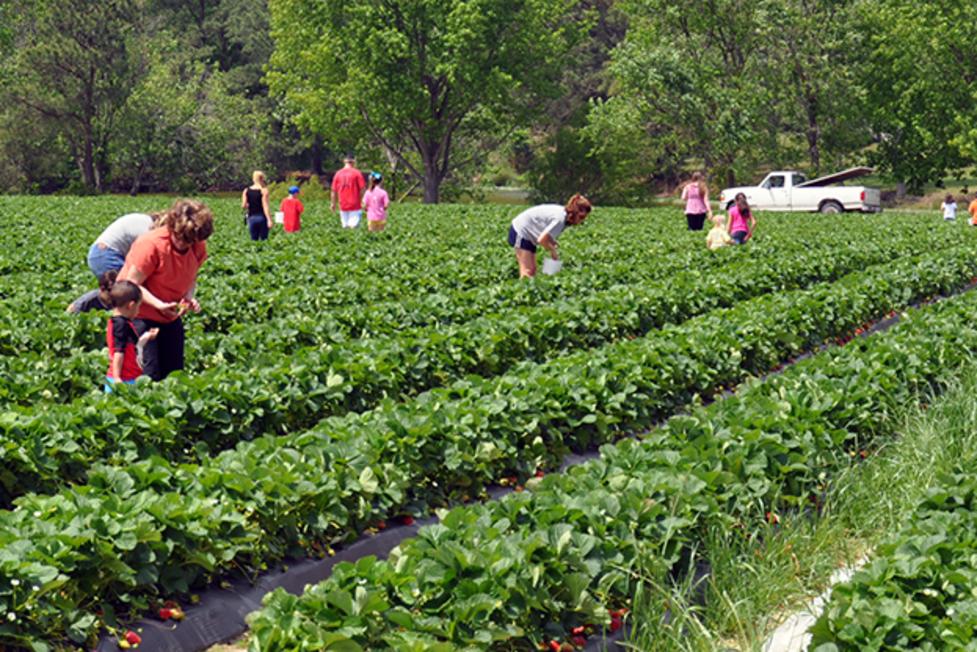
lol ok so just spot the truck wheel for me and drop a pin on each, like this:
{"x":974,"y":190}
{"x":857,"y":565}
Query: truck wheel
{"x":831,"y":207}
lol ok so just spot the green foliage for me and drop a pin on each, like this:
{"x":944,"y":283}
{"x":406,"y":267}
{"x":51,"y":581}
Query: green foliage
{"x":919,"y":87}
{"x":169,"y":495}
{"x":917,"y":592}
{"x":420,"y":79}
{"x":536,"y":565}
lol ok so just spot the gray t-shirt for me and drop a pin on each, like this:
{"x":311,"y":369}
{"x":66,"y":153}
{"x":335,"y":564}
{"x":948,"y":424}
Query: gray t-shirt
{"x":533,"y":223}
{"x":123,"y":232}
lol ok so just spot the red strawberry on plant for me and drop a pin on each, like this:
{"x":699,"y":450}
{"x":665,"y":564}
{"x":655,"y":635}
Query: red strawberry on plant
{"x":131,"y":639}
{"x":408,"y":520}
{"x":579,"y":630}
{"x":616,"y":623}
{"x":165,"y":613}
{"x":381,"y":525}
{"x":555,"y":646}
{"x":540,"y":473}
{"x":579,"y":641}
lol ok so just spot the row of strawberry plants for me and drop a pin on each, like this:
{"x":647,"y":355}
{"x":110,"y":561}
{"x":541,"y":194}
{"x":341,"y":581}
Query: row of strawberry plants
{"x":215,"y":410}
{"x":153,"y":527}
{"x":242,"y":282}
{"x":551,"y":564}
{"x":918,"y":591}
{"x":415,"y":359}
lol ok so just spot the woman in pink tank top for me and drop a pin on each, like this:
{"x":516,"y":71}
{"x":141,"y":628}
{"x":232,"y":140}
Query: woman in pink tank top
{"x":696,"y":196}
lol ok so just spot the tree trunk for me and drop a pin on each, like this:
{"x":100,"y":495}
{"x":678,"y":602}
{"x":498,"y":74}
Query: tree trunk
{"x":136,"y":181}
{"x":813,"y":136}
{"x":432,"y":174}
{"x":87,"y":163}
{"x":432,"y":187}
{"x":317,"y":156}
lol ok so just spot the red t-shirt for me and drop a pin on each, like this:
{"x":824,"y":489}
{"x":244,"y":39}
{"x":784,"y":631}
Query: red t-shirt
{"x":292,"y":207}
{"x":169,"y":273}
{"x":120,"y":335}
{"x":349,"y":184}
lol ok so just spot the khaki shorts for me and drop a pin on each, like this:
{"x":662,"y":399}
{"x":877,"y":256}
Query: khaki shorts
{"x":376,"y":225}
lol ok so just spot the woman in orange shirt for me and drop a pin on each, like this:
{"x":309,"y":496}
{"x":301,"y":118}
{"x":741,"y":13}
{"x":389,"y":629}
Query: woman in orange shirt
{"x":165,"y":262}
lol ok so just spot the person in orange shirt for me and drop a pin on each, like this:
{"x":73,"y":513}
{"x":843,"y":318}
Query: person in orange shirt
{"x":292,"y":207}
{"x":972,"y":209}
{"x":165,"y":263}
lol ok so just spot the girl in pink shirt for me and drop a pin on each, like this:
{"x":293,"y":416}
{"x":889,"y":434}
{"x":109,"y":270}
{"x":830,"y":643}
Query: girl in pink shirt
{"x":741,"y":221}
{"x":696,"y":197}
{"x":375,"y":201}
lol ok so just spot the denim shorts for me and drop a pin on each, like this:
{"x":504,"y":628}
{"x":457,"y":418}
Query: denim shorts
{"x":519,"y":242}
{"x":101,"y":260}
{"x":739,"y":237}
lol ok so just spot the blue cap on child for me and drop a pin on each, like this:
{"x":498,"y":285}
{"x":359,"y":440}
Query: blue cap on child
{"x":293,"y":190}
{"x":376,"y":176}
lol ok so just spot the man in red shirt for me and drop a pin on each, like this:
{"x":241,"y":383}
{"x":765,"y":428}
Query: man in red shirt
{"x":348,"y":184}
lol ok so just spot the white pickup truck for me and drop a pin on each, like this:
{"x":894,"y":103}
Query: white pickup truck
{"x":792,"y":192}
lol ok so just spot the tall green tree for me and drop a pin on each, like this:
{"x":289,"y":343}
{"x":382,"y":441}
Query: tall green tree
{"x":810,"y":59}
{"x":687,"y":86}
{"x":71,"y":67}
{"x":418,"y":77}
{"x":919,"y":71}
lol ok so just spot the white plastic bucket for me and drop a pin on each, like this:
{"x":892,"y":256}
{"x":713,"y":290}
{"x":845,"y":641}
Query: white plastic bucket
{"x":279,"y":217}
{"x":551,"y":266}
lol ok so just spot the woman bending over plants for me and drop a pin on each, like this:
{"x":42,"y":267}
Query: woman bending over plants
{"x":165,"y":262}
{"x":540,"y":226}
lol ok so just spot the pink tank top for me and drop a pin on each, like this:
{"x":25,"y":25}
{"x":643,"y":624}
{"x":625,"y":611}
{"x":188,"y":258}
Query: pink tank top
{"x":694,"y":205}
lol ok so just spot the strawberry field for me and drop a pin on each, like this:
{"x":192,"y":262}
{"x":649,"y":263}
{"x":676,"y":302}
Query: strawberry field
{"x":337,"y":381}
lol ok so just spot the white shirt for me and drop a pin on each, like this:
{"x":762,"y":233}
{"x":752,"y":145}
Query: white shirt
{"x":949,"y":210}
{"x":533,"y":223}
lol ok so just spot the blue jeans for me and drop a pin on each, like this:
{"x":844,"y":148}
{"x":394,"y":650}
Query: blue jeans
{"x":258,"y":227}
{"x":104,"y":260}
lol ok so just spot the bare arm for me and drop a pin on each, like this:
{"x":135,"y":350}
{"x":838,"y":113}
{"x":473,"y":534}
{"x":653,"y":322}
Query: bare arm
{"x":705,"y":198}
{"x":137,"y":277}
{"x":548,"y":243}
{"x":264,"y":206}
{"x":332,"y":200}
{"x":244,"y":198}
{"x":117,"y":359}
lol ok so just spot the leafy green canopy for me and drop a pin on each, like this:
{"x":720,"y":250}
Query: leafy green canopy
{"x":420,"y":78}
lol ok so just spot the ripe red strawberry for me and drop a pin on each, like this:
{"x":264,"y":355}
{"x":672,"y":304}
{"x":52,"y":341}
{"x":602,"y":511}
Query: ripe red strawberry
{"x":615,"y":623}
{"x":540,"y":473}
{"x":578,"y":630}
{"x":579,"y":641}
{"x":381,"y":525}
{"x":408,"y":520}
{"x":772,"y":518}
{"x":133,"y":638}
{"x":555,"y":646}
{"x":165,"y":613}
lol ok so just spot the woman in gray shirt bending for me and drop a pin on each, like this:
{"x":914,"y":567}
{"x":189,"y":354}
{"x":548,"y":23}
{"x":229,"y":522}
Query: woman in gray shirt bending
{"x":541,"y":226}
{"x":108,"y":254}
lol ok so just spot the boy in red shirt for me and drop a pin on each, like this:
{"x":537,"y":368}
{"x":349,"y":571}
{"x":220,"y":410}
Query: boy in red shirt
{"x":125,"y":346}
{"x":972,"y":209}
{"x":292,"y":207}
{"x":348,"y":186}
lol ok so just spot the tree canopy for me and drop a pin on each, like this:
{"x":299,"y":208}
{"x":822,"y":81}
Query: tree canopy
{"x":620,"y":99}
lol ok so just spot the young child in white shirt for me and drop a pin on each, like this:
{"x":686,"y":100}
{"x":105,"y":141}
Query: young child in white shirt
{"x":717,"y":236}
{"x":949,"y":208}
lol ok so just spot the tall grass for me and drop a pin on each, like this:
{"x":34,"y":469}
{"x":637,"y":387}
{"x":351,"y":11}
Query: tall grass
{"x":757,"y":578}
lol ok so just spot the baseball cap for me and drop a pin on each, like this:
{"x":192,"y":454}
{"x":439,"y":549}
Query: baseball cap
{"x":376,"y":175}
{"x":293,"y":190}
